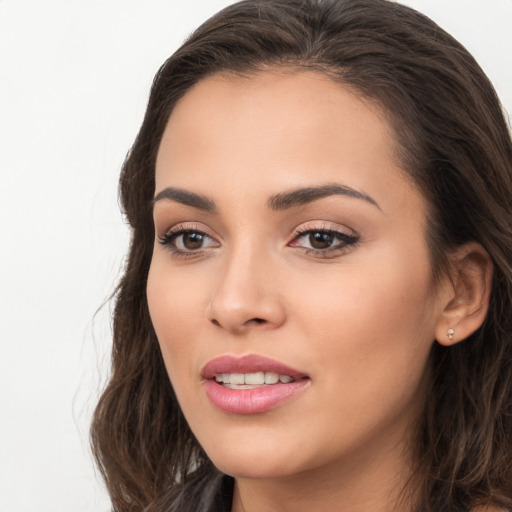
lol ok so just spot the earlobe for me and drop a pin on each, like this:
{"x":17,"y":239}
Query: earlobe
{"x":466,"y":299}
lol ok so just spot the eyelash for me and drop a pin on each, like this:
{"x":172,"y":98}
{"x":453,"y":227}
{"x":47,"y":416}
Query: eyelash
{"x":169,"y":240}
{"x":345,"y":241}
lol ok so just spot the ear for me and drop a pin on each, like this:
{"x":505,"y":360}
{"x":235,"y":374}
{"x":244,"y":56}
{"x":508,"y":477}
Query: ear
{"x":465,"y":294}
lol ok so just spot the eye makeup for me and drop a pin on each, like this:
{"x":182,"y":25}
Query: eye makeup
{"x":322,"y":241}
{"x":187,"y":240}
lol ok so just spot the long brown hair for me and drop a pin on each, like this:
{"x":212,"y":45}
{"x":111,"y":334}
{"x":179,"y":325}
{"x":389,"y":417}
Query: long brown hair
{"x":452,"y":140}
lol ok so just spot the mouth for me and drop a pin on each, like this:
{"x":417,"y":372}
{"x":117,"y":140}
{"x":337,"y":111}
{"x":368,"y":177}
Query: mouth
{"x":251,"y":380}
{"x":251,"y":384}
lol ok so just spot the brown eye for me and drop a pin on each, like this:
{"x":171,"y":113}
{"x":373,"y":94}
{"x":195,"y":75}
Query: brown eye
{"x":192,"y":240}
{"x":324,"y":243}
{"x":321,"y":240}
{"x":188,"y":241}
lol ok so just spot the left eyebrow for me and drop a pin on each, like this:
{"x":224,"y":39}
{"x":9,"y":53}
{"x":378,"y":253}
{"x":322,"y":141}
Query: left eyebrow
{"x":301,"y":196}
{"x":187,"y":198}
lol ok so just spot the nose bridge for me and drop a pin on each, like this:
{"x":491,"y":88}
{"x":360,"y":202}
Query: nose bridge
{"x":245,"y":294}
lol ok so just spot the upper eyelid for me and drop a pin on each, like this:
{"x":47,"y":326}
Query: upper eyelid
{"x":338,"y":230}
{"x":300,"y":229}
{"x":188,"y":226}
{"x":176,"y":228}
{"x":341,"y":234}
{"x":323,"y":225}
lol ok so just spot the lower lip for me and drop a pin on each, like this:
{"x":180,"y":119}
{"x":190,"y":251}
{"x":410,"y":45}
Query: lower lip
{"x":252,"y":401}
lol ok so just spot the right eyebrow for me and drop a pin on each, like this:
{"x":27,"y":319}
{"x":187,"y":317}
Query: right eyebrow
{"x":187,"y":198}
{"x":301,"y":196}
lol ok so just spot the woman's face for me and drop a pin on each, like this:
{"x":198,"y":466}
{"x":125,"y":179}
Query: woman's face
{"x":290,"y":246}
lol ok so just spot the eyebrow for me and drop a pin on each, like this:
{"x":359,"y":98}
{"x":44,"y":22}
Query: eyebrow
{"x":187,"y":198}
{"x":301,"y":196}
{"x":282,"y":201}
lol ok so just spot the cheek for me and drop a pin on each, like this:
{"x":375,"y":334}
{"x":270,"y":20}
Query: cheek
{"x":369,"y":328}
{"x":170,"y":301}
{"x":383,"y":294}
{"x":175,"y":302}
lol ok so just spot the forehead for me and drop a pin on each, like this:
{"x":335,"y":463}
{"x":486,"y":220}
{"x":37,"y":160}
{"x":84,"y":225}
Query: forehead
{"x":283,"y":128}
{"x":277,"y":102}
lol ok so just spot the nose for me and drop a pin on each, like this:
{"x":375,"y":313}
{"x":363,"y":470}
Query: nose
{"x":246,"y":295}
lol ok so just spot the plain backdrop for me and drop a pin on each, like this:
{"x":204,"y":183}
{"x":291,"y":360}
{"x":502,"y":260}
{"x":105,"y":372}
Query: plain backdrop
{"x":74,"y":81}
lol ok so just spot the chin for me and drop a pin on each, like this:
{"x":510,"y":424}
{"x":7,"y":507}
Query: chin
{"x":254,"y":468}
{"x":251,"y":460}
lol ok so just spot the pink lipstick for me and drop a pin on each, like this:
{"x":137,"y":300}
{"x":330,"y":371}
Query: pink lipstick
{"x":250,"y":384}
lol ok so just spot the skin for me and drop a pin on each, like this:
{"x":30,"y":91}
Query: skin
{"x":359,"y":320}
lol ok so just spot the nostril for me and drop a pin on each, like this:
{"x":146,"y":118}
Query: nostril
{"x":240,"y":327}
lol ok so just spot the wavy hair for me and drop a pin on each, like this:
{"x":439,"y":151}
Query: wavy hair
{"x":452,"y":140}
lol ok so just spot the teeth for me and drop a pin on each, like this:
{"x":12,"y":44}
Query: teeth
{"x":255,"y":378}
{"x":237,"y":378}
{"x":271,"y":378}
{"x":252,"y":379}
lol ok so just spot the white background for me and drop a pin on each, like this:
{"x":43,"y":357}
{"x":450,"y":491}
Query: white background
{"x":74,"y":80}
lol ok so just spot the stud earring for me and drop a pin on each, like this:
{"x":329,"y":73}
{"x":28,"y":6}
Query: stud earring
{"x":450,"y":334}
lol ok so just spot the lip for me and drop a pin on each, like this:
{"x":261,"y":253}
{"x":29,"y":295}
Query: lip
{"x":247,"y":364}
{"x":250,"y":401}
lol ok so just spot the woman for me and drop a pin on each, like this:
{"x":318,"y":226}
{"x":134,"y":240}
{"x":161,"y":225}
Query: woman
{"x":315,"y":313}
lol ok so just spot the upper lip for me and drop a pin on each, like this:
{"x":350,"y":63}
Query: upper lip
{"x":248,"y":364}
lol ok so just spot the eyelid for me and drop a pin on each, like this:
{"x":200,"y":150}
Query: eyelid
{"x":322,"y":225}
{"x":168,"y":240}
{"x":187,"y":226}
{"x":171,"y":237}
{"x":347,"y":239}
